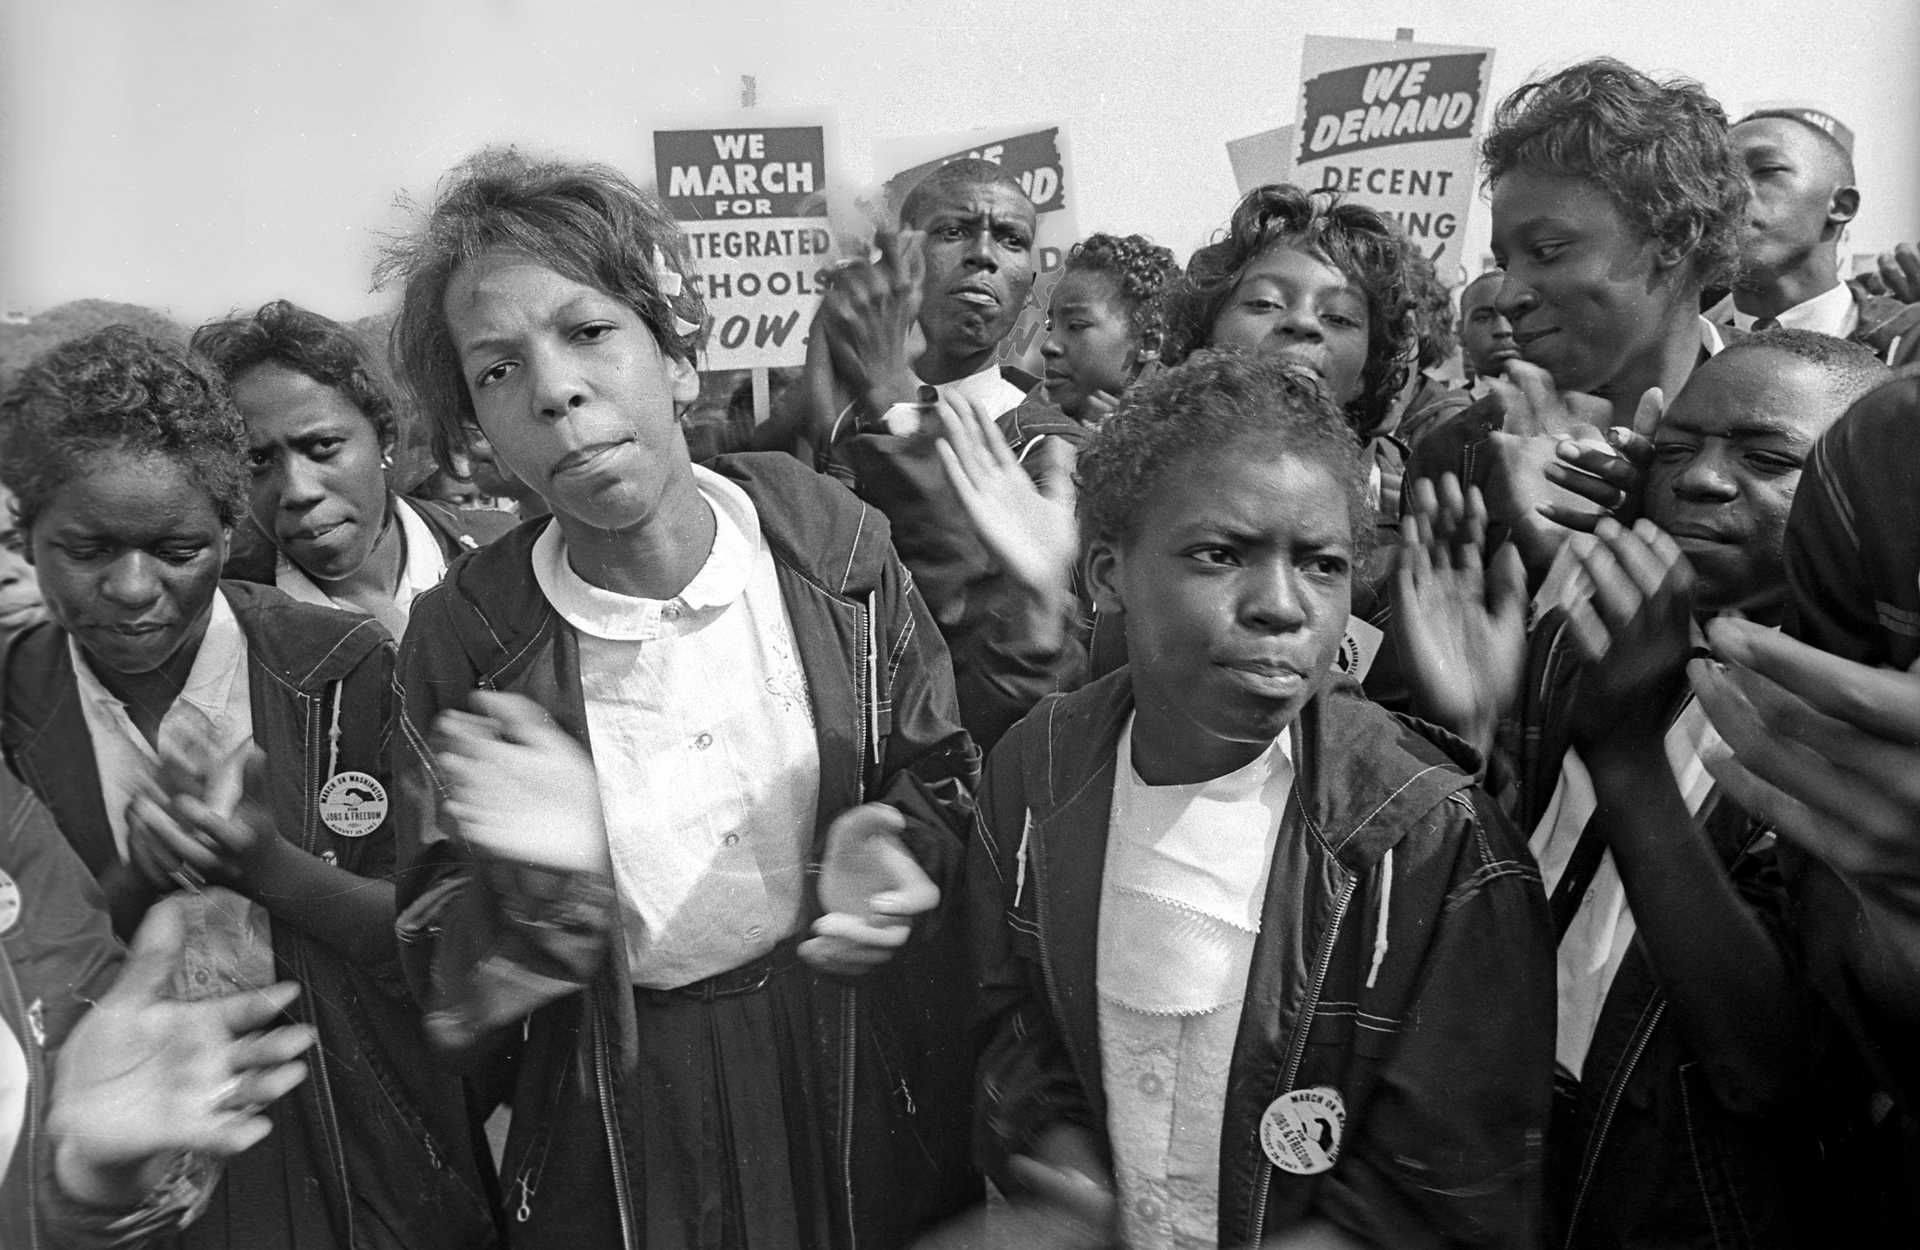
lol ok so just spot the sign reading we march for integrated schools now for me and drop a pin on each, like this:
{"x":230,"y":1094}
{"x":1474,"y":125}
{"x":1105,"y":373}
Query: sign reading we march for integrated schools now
{"x":753,"y":203}
{"x":1038,"y":159}
{"x":1392,"y":125}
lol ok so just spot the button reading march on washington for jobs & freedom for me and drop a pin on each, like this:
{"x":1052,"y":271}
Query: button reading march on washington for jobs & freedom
{"x":353,"y":804}
{"x":1301,"y":1129}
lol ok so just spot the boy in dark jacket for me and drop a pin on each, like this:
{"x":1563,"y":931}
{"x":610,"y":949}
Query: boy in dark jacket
{"x":1685,"y":1046}
{"x":1259,"y":962}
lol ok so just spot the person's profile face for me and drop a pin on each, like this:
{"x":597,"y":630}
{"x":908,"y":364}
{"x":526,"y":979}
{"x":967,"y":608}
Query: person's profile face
{"x":1234,"y":591}
{"x":1792,"y":176}
{"x":980,"y":266}
{"x":319,"y":490}
{"x":1486,"y":336}
{"x":1291,"y":304}
{"x":571,"y":390}
{"x":129,"y":557}
{"x":1585,"y":292}
{"x":1727,"y":458}
{"x":1091,"y":347}
{"x":20,"y":603}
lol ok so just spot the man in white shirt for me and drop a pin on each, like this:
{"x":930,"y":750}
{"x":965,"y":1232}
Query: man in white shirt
{"x":1799,"y":168}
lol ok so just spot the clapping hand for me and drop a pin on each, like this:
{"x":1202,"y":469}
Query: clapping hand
{"x":1459,"y":626}
{"x":871,"y":891}
{"x":1031,"y":536}
{"x":519,"y":787}
{"x":145,"y":1076}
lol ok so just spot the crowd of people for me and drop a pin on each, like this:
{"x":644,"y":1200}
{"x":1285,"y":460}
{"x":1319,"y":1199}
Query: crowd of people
{"x":1250,"y":786}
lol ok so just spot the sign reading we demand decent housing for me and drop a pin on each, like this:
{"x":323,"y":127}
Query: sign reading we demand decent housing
{"x":752,"y":201}
{"x":1391,"y":125}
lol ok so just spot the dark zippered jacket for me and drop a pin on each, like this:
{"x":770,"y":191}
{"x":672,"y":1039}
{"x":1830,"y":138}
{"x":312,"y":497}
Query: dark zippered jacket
{"x":379,"y":1134}
{"x":1660,"y":1147}
{"x":1404,"y":960}
{"x":521,"y":970}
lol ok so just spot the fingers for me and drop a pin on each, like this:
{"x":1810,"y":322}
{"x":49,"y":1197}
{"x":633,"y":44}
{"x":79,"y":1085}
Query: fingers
{"x":170,"y":844}
{"x":1534,"y":387}
{"x":848,"y":945}
{"x":1882,"y":702}
{"x":516,"y":718}
{"x":1899,"y":272}
{"x":154,"y":956}
{"x":1596,"y":474}
{"x":246,"y":1011}
{"x":1647,"y":413}
{"x":1506,"y":592}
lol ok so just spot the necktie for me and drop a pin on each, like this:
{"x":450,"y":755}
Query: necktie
{"x":1762,"y":324}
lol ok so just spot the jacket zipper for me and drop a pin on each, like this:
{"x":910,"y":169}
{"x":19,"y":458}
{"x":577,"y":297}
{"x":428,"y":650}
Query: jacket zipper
{"x":603,"y":1079}
{"x":866,"y":738}
{"x":1614,"y":1095}
{"x":27,"y":1147}
{"x":1297,"y":1045}
{"x":323,"y":1078}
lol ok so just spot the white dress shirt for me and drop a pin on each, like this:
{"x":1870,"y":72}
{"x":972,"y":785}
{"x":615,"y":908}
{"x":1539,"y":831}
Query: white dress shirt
{"x":702,"y":734}
{"x":1185,"y":884}
{"x":1603,"y":927}
{"x":229,"y":939}
{"x":421,"y":571}
{"x":1832,"y":312}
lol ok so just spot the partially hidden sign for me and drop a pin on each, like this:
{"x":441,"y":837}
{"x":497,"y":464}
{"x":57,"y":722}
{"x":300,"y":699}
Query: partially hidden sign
{"x":753,"y":203}
{"x":1391,"y":125}
{"x":1039,"y":159}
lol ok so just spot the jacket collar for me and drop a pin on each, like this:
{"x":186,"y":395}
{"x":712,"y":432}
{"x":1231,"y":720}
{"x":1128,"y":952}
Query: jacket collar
{"x":813,"y":526}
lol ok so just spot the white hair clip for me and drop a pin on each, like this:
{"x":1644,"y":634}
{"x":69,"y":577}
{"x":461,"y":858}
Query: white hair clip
{"x":684,"y":328}
{"x":665,"y":276}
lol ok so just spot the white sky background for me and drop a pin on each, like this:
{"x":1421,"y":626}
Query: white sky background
{"x":200,"y":155}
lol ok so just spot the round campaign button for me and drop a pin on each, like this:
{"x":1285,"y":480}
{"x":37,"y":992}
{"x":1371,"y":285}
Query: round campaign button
{"x":1301,"y":1129}
{"x":353,"y":804}
{"x":9,"y":902}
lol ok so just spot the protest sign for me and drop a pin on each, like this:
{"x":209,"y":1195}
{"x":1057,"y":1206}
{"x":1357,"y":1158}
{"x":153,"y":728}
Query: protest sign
{"x":1039,"y":160}
{"x":753,"y":204}
{"x":1391,"y":125}
{"x":1261,"y":159}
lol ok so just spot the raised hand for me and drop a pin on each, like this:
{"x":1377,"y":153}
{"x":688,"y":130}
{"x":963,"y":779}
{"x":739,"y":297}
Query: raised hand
{"x":1634,"y":632}
{"x":518,"y":787}
{"x":1824,"y":749}
{"x":871,"y":891}
{"x":1899,"y":273}
{"x":1031,"y":536}
{"x":865,"y":319}
{"x":144,"y":1076}
{"x":1459,"y":627}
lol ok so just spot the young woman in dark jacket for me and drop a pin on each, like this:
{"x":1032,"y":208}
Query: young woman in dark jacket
{"x":221,"y":744}
{"x":1258,"y":960}
{"x":695,"y":930}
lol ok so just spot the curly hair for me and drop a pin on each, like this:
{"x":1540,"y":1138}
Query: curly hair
{"x":282,"y":333}
{"x":1141,"y":270}
{"x":1207,"y":406}
{"x":1660,"y":150}
{"x":587,"y":222}
{"x":119,"y":390}
{"x":1433,"y":320}
{"x":1352,"y":238}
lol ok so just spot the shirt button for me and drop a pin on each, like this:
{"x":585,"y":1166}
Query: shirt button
{"x":732,"y":839}
{"x":702,"y":741}
{"x":671,"y":611}
{"x":1151,"y":1084}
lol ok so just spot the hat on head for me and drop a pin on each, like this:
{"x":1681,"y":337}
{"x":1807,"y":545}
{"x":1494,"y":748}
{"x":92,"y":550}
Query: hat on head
{"x":1819,"y":119}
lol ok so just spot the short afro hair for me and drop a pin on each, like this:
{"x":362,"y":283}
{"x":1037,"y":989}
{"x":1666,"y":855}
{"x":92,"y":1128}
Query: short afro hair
{"x":587,"y":222}
{"x":1851,"y":370}
{"x":1206,"y":406}
{"x":1141,"y":270}
{"x":118,"y":390}
{"x":966,"y":172}
{"x":281,"y":333}
{"x":1354,"y":239}
{"x":1660,"y":150}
